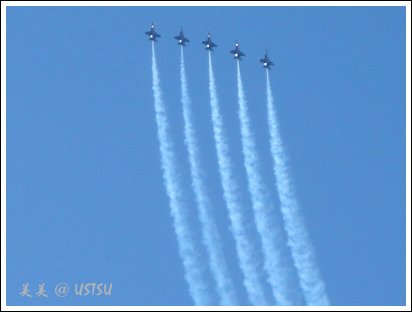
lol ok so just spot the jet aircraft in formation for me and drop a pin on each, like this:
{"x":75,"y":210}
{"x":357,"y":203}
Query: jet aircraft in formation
{"x":266,"y":62}
{"x":209,"y":43}
{"x":182,"y":40}
{"x":237,"y":54}
{"x":152,"y":33}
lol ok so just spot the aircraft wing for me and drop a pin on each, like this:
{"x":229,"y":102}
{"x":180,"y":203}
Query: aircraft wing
{"x":147,"y":32}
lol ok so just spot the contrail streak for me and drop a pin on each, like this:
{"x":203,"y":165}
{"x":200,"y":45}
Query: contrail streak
{"x":244,"y":246}
{"x":298,"y":239}
{"x":194,"y":273}
{"x":270,"y":232}
{"x":210,"y":234}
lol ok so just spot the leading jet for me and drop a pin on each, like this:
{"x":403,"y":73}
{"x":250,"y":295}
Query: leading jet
{"x":152,"y":33}
{"x":209,"y":43}
{"x":266,"y":62}
{"x":181,"y":39}
{"x":237,"y":54}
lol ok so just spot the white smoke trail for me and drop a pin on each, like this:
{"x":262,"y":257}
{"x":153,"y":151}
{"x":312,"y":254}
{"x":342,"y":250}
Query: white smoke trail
{"x":244,"y":246}
{"x":210,"y":234}
{"x":298,"y":239}
{"x":191,"y":261}
{"x":268,"y":229}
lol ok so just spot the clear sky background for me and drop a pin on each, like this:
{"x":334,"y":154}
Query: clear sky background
{"x":85,"y":198}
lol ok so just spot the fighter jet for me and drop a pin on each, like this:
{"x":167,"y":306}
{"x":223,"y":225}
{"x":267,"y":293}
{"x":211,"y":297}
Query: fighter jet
{"x":266,"y":62}
{"x":236,"y":52}
{"x":181,"y":39}
{"x":152,"y":33}
{"x":209,"y":43}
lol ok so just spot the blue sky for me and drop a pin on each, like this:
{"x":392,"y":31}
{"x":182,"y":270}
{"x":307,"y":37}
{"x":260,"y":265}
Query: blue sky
{"x":85,"y":198}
